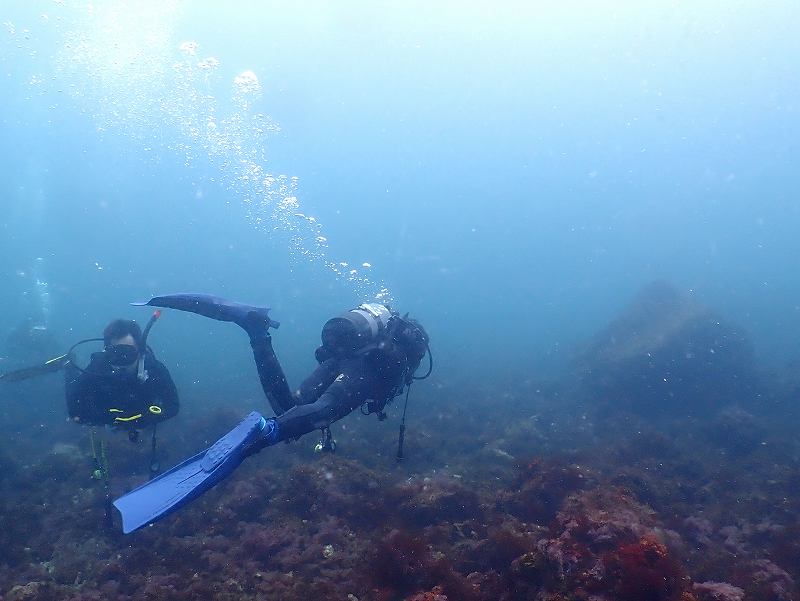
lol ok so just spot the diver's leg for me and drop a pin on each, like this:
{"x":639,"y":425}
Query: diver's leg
{"x":303,"y":419}
{"x":351,"y":387}
{"x":247,"y":316}
{"x":253,"y":320}
{"x":270,"y":373}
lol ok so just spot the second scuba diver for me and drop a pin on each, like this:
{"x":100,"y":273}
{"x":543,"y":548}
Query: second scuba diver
{"x":368,"y":356}
{"x":124,"y":385}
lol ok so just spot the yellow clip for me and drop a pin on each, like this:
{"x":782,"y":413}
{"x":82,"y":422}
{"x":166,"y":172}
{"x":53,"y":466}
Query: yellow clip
{"x":128,"y":419}
{"x":54,"y":359}
{"x":155,"y":409}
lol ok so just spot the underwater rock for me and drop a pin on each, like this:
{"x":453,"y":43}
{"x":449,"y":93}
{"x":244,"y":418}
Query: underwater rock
{"x":435,"y":594}
{"x":605,"y":541}
{"x":643,"y":570}
{"x":259,"y":541}
{"x":539,"y":489}
{"x":774,"y":582}
{"x":501,"y":545}
{"x":247,"y":499}
{"x":667,"y":353}
{"x":736,"y":431}
{"x":35,"y":591}
{"x":402,"y":563}
{"x":718,"y":591}
{"x":337,"y":487}
{"x":73,"y":558}
{"x":531,"y":567}
{"x":427,"y":501}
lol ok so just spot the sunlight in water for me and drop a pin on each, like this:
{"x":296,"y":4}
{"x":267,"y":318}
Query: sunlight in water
{"x":123,"y":63}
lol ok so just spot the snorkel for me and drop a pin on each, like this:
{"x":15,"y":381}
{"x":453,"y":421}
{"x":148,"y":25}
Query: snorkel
{"x":142,"y":372}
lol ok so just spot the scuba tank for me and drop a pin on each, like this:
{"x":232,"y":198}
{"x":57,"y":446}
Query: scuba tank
{"x":345,"y":335}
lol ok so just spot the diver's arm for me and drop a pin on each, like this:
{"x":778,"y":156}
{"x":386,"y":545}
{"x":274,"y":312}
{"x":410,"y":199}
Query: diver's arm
{"x":73,"y":391}
{"x":80,"y":390}
{"x":167,"y":393}
{"x":171,"y":402}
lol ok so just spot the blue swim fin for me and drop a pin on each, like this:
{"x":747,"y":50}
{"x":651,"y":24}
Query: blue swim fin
{"x":26,"y":373}
{"x":214,"y":307}
{"x":186,"y":481}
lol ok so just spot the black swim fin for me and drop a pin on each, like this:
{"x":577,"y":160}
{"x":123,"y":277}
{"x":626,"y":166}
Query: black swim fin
{"x":214,"y":307}
{"x":188,"y":480}
{"x":26,"y":373}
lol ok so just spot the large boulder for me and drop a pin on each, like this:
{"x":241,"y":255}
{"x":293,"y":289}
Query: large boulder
{"x":668,"y":353}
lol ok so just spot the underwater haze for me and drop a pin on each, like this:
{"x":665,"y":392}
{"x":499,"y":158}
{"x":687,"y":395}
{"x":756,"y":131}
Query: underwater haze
{"x":512,"y":174}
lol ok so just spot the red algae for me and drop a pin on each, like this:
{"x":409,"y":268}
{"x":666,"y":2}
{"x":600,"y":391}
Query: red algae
{"x":557,"y":501}
{"x":643,"y":571}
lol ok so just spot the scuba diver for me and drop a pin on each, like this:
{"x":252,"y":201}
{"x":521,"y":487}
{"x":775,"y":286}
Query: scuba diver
{"x":124,"y":386}
{"x":368,"y":357}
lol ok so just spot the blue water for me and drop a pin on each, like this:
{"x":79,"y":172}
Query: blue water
{"x":512,"y":173}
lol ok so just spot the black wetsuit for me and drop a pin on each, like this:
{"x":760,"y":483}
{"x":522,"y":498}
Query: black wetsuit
{"x":98,"y":396}
{"x":335,"y":388}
